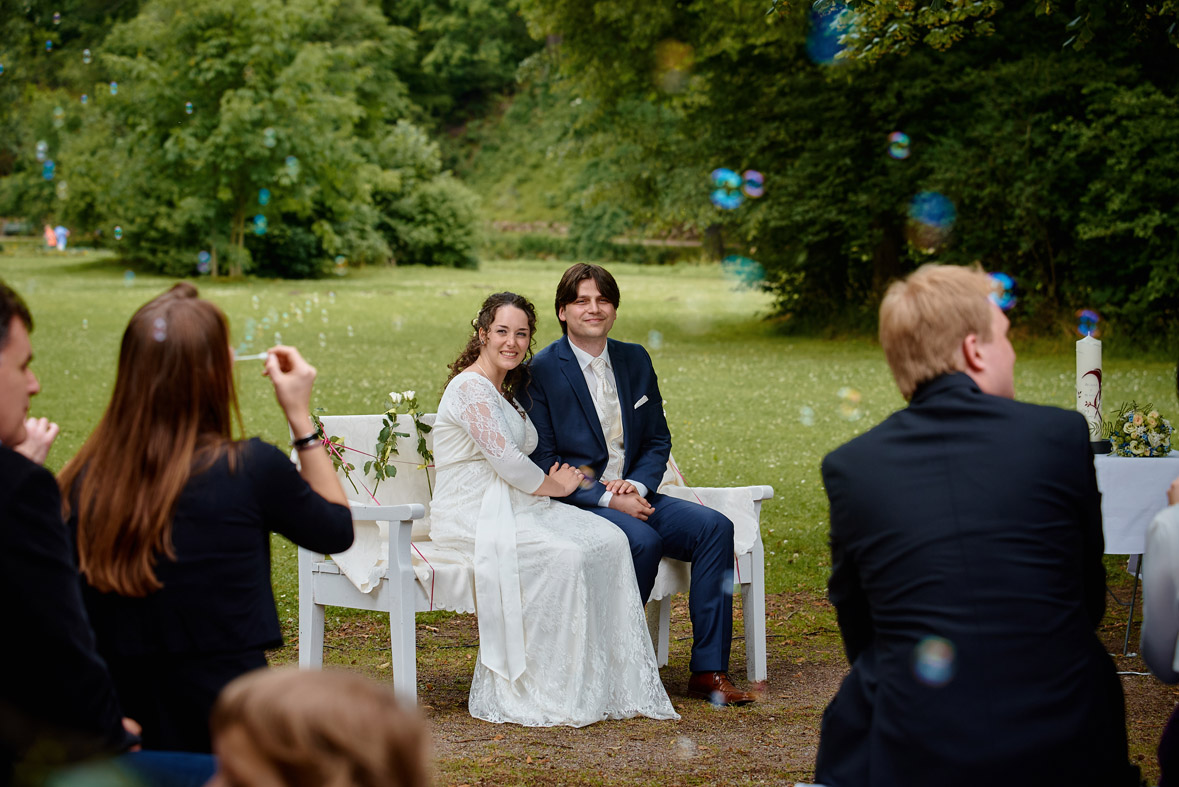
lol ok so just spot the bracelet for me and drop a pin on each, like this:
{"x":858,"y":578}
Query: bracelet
{"x":303,"y":443}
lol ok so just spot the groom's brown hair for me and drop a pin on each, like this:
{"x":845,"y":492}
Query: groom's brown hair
{"x":572,"y":279}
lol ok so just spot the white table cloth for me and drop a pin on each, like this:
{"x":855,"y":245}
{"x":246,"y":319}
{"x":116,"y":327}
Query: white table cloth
{"x":1133,"y":490}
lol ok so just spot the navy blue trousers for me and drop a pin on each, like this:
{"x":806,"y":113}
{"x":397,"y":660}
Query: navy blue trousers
{"x":703,"y":537}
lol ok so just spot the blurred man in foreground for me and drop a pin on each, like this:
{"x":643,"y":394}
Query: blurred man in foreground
{"x":966,"y":569}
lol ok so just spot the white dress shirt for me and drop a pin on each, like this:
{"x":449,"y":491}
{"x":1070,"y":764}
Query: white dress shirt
{"x":584,"y":360}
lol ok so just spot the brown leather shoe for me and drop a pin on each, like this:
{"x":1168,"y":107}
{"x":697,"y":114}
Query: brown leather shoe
{"x":717,"y":689}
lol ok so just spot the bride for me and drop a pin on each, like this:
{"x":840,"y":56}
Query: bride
{"x":562,"y":638}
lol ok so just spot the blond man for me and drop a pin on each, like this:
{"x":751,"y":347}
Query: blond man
{"x":966,"y":569}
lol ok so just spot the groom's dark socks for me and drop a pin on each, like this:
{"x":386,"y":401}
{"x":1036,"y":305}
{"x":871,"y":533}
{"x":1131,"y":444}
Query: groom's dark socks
{"x":717,"y":689}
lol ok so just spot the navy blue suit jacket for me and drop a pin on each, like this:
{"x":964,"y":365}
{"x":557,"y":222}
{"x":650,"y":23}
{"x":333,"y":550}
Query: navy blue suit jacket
{"x":567,"y":426}
{"x":55,"y":685}
{"x":974,"y":519}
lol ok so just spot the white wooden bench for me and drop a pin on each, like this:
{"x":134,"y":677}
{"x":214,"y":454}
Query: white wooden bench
{"x":389,"y":521}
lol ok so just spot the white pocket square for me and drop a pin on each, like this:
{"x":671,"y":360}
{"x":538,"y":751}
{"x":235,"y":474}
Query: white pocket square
{"x":640,"y":403}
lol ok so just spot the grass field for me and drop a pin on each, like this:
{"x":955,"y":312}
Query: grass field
{"x":746,"y":404}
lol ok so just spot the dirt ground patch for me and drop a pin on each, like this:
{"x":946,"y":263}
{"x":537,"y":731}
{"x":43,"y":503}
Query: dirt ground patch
{"x":770,"y":742}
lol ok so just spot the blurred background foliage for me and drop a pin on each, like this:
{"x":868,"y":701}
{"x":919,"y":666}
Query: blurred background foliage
{"x":588,"y":129}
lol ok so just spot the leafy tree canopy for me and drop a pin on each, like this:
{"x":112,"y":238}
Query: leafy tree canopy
{"x":265,"y":133}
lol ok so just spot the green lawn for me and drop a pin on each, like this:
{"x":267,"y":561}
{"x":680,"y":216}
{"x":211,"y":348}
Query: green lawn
{"x":746,"y":405}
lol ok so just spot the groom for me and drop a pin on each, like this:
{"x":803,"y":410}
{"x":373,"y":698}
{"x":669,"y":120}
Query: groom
{"x":596,"y":404}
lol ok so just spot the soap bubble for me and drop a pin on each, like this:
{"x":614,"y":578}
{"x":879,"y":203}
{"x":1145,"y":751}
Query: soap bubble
{"x":323,"y":315}
{"x":292,"y":164}
{"x":48,"y":169}
{"x":685,"y":748}
{"x":590,"y":477}
{"x":203,"y":259}
{"x":255,"y":302}
{"x":726,"y":192}
{"x":726,"y":584}
{"x":58,"y":113}
{"x":114,"y":88}
{"x":828,"y":22}
{"x":277,"y":337}
{"x":263,"y":196}
{"x":331,"y":298}
{"x":322,"y":340}
{"x":1,"y":69}
{"x":48,"y":46}
{"x":86,"y":58}
{"x":1087,"y":321}
{"x":898,"y":145}
{"x":1003,"y":294}
{"x":349,"y":331}
{"x":85,"y":99}
{"x":849,"y":403}
{"x":42,"y":150}
{"x":128,"y":278}
{"x":63,"y":190}
{"x":742,"y":272}
{"x":85,"y":324}
{"x":931,"y":220}
{"x":655,"y":340}
{"x":188,"y":107}
{"x":806,"y":416}
{"x":933,"y":661}
{"x":57,"y":17}
{"x":260,"y":224}
{"x":755,"y":183}
{"x":673,"y":64}
{"x":118,"y":232}
{"x":160,"y":329}
{"x":341,"y":265}
{"x":269,"y":137}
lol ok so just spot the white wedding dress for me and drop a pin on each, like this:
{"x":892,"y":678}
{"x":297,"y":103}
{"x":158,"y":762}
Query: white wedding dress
{"x":562,"y":637}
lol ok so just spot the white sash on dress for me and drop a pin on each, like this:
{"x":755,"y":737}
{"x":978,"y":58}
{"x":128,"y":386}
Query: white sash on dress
{"x":497,"y":584}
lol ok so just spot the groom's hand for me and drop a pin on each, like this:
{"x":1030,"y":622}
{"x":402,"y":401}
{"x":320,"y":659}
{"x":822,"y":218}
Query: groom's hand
{"x":619,"y":486}
{"x":632,"y":504}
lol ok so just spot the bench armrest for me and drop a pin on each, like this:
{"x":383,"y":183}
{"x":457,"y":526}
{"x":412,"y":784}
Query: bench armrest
{"x":363,"y":512}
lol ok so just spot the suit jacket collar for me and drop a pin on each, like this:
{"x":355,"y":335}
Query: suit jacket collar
{"x":954,"y":381}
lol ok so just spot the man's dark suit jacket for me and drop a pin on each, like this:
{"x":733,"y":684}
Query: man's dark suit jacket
{"x":559,"y":393}
{"x":975,"y":519}
{"x":55,"y":691}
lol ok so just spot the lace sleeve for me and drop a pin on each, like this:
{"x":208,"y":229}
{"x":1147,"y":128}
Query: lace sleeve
{"x":480,"y":412}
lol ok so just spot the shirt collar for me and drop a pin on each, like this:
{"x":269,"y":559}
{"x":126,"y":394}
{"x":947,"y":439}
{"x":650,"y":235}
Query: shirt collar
{"x":584,"y":359}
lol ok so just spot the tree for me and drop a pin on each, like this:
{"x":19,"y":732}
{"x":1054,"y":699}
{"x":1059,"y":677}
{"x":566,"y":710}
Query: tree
{"x":466,"y":53}
{"x":1030,"y":145}
{"x":252,"y":131}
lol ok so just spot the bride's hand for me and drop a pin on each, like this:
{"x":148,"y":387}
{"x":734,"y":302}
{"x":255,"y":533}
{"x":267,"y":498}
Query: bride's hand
{"x":567,"y":478}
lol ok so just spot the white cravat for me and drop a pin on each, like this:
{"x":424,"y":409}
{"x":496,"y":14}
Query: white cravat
{"x":610,"y":414}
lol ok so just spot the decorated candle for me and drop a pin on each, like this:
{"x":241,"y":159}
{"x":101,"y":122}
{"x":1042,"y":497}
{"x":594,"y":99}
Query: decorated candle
{"x":1089,"y":384}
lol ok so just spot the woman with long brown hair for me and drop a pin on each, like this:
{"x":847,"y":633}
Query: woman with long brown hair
{"x":173,"y":516}
{"x":562,"y":637}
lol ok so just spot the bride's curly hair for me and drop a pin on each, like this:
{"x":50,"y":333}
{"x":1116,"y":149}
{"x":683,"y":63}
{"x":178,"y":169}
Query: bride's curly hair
{"x":517,"y":380}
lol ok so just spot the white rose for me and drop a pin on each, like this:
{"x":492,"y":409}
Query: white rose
{"x":1154,"y":439}
{"x":396,"y":397}
{"x":411,"y":394}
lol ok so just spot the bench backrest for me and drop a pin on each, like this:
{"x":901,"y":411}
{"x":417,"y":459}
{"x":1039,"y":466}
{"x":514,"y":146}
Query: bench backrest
{"x":412,"y":484}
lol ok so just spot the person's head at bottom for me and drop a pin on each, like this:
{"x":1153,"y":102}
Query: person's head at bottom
{"x":941,"y":319}
{"x":296,"y":728}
